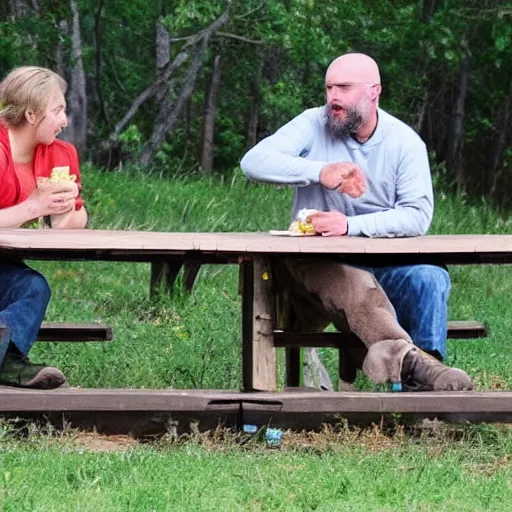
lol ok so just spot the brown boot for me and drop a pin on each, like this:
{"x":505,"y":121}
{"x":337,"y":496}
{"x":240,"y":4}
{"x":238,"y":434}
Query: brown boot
{"x":423,"y":372}
{"x":18,"y":371}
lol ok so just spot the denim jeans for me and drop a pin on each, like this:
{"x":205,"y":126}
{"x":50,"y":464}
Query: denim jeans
{"x":24,"y":297}
{"x":419,"y":294}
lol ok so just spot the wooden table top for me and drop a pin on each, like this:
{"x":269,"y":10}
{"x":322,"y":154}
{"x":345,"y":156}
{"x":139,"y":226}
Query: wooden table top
{"x":148,"y":246}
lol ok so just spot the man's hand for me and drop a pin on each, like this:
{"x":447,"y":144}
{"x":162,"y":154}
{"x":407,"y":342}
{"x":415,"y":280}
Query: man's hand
{"x":330,"y":223}
{"x":346,"y":177}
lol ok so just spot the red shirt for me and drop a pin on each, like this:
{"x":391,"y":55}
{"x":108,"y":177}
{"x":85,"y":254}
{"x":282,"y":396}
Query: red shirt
{"x":57,"y":154}
{"x":26,"y":178}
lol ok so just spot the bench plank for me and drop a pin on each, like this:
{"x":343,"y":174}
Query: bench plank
{"x":69,"y":399}
{"x":456,"y":329}
{"x":56,"y":331}
{"x":466,"y":329}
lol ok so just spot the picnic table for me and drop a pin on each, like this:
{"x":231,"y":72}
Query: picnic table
{"x":253,"y":252}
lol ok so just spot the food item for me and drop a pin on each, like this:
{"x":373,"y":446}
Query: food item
{"x":60,"y":174}
{"x":302,"y":225}
{"x":304,"y":221}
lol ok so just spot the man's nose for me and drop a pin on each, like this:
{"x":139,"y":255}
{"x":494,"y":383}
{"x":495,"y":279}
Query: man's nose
{"x":334,"y":94}
{"x":64,"y":120}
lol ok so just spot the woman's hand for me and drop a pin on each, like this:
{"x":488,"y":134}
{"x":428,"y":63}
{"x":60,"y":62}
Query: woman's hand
{"x":52,"y":198}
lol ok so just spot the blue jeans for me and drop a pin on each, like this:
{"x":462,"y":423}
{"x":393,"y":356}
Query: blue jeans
{"x":419,"y":294}
{"x":24,"y":297}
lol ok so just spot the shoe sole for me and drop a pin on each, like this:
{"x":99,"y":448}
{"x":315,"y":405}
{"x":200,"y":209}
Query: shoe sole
{"x":47,"y":378}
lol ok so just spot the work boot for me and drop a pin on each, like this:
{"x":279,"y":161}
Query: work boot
{"x":18,"y":371}
{"x":423,"y":372}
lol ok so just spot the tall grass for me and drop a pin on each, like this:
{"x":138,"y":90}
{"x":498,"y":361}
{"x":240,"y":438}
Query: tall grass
{"x":194,"y":341}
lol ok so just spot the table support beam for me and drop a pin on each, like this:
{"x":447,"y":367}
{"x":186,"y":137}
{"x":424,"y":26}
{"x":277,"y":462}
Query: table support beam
{"x":258,"y":351}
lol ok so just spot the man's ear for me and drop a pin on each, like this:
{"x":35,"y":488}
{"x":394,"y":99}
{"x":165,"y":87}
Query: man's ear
{"x":30,"y":116}
{"x":375,"y":91}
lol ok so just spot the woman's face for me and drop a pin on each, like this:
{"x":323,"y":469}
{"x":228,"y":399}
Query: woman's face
{"x":53,"y":119}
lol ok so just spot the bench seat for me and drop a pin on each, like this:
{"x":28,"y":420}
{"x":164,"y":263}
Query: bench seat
{"x":456,"y":329}
{"x":57,"y":331}
{"x":351,"y":350}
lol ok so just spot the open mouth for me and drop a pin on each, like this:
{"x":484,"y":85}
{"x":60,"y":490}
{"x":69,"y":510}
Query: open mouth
{"x":336,"y":109}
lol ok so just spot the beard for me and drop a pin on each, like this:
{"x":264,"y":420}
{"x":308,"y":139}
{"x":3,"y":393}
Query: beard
{"x":338,"y":128}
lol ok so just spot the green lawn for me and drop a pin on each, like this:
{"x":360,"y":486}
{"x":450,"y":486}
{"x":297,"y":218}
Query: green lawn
{"x":351,"y":470}
{"x":194,"y":341}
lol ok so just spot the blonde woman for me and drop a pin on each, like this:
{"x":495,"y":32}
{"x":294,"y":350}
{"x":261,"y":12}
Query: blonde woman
{"x":32,"y":114}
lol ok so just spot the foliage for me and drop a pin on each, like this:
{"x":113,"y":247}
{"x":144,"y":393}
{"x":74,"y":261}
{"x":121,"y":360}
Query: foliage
{"x":274,"y":55}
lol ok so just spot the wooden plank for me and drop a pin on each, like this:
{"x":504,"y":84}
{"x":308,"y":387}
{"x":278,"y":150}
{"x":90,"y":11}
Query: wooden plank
{"x":55,"y":331}
{"x":163,"y":273}
{"x":466,"y":329}
{"x":294,"y":362}
{"x":407,"y":403}
{"x":258,"y":351}
{"x":67,"y":399}
{"x":190,"y":273}
{"x":456,"y":329}
{"x":293,"y":355}
{"x":247,"y":293}
{"x":5,"y":338}
{"x":99,"y":244}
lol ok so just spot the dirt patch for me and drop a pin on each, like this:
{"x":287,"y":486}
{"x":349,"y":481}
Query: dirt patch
{"x":101,"y":443}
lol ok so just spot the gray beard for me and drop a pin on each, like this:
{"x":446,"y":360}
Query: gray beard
{"x":342,"y":128}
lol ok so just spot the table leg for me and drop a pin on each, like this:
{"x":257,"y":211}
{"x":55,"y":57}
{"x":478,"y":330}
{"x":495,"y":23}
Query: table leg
{"x":190,"y":272}
{"x":258,"y":351}
{"x":5,"y":338}
{"x":163,"y":272}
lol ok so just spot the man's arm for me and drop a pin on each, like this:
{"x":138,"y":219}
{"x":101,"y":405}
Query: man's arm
{"x":414,"y":204}
{"x":279,"y":158}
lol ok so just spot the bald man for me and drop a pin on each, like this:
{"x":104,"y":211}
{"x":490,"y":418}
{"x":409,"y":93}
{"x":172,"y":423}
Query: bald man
{"x":368,"y":175}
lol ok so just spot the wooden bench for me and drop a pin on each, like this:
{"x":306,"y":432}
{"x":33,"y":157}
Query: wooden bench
{"x":351,"y":350}
{"x":56,"y":331}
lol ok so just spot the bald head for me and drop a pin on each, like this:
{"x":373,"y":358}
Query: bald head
{"x":353,"y":68}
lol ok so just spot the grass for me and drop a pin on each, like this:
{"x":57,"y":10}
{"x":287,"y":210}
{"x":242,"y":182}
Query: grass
{"x":337,"y":469}
{"x":194,"y":342}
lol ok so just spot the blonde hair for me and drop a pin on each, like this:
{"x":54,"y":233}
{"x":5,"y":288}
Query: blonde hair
{"x":24,"y":88}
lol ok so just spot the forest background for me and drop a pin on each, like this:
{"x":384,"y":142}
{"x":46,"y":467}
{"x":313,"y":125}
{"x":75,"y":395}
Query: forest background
{"x":184,"y":86}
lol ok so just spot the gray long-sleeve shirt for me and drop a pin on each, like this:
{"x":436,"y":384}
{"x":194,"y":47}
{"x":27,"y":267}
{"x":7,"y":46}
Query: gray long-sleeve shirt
{"x":399,"y":198}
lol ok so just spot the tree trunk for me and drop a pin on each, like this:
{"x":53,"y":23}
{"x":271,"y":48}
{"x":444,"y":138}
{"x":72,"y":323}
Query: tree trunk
{"x":77,"y":97}
{"x":169,"y":112}
{"x":254,"y":117}
{"x":60,"y":51}
{"x":209,"y":118}
{"x":455,"y":142}
{"x":427,"y":8}
{"x":163,"y":58}
{"x":22,"y":8}
{"x":98,"y":62}
{"x":148,"y":93}
{"x":499,"y":145}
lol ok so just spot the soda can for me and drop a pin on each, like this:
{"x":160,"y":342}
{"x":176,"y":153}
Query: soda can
{"x":273,"y":436}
